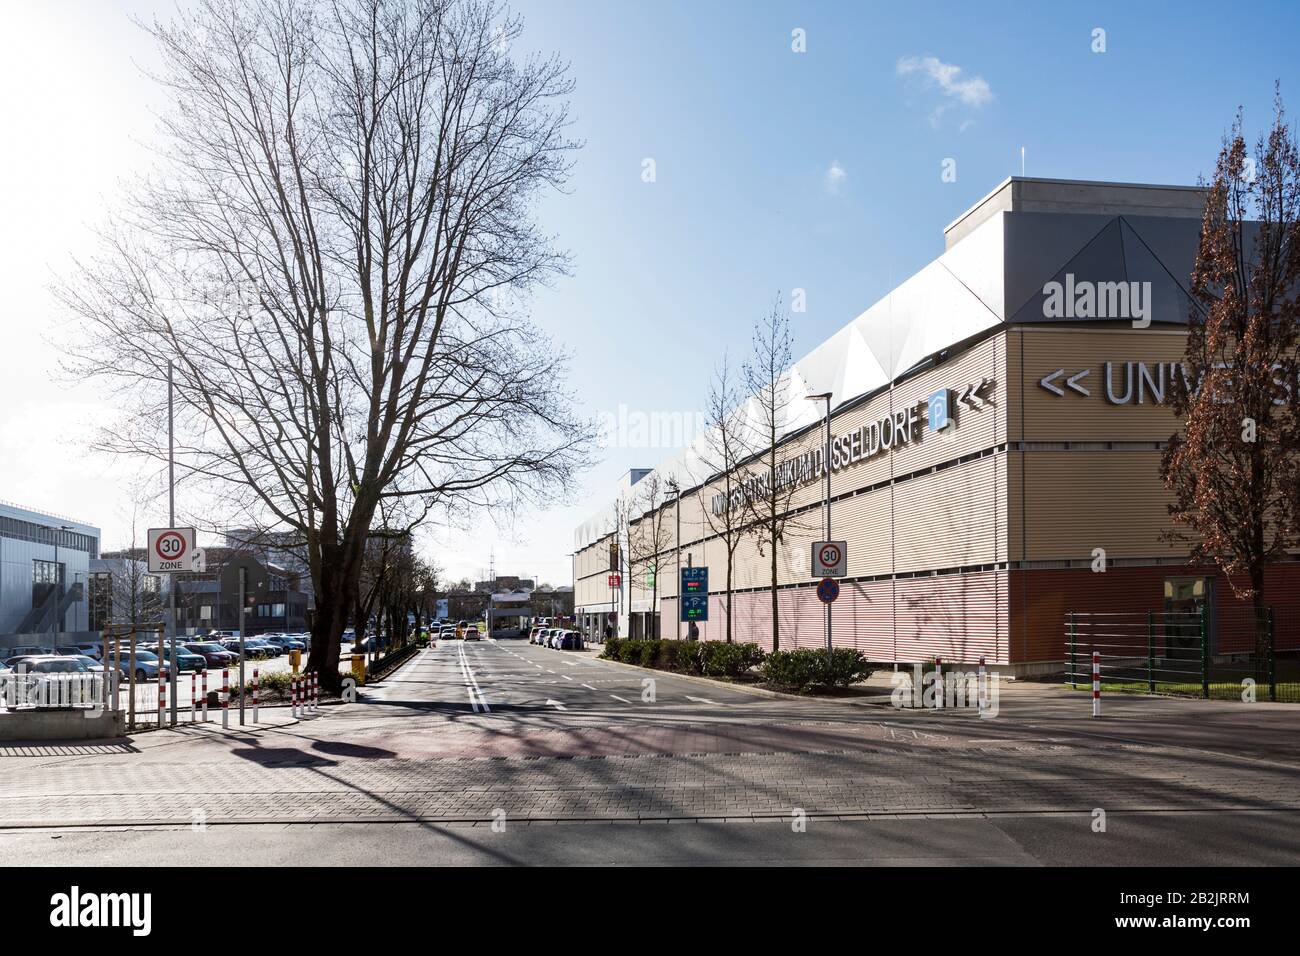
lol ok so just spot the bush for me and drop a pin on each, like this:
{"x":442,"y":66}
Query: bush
{"x":808,"y":667}
{"x":710,"y":658}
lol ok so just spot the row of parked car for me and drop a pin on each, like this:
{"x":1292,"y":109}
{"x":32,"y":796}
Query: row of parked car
{"x":556,"y":638}
{"x":219,"y":650}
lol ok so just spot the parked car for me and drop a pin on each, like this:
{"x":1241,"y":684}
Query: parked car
{"x":96,"y":667}
{"x":39,"y":665}
{"x":284,"y":641}
{"x":212,"y":653}
{"x":570,"y":641}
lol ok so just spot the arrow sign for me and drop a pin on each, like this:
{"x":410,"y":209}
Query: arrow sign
{"x":1048,"y":382}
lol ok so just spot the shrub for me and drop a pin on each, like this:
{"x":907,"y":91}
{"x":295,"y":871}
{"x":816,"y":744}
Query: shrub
{"x":719,"y":659}
{"x":808,"y":667}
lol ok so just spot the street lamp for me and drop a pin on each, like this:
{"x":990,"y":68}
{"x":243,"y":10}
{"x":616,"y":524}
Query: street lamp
{"x":826,"y":468}
{"x":676,"y":490}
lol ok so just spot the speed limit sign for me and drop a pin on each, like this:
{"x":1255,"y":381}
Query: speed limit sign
{"x":830,"y":559}
{"x":171,"y":550}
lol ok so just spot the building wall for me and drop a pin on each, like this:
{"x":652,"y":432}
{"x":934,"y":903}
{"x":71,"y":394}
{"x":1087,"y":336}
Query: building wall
{"x":17,"y":555}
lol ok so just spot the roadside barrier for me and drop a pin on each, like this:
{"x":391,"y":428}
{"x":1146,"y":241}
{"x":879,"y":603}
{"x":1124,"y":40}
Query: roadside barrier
{"x":225,"y":698}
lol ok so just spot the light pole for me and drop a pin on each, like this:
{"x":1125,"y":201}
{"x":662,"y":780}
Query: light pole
{"x":676,"y":490}
{"x":826,"y":468}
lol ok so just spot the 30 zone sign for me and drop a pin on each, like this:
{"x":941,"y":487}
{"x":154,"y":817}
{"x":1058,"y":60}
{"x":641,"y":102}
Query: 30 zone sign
{"x":170,"y":549}
{"x":830,"y":559}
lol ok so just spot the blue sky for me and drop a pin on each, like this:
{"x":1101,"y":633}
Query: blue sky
{"x":743,"y":132}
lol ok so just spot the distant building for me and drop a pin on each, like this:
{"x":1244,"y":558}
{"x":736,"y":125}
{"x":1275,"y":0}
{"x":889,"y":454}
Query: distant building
{"x":44,"y":571}
{"x":283,"y":549}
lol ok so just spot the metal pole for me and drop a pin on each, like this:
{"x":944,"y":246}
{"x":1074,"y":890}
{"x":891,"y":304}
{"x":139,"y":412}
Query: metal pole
{"x":171,"y":523}
{"x":1074,"y":677}
{"x":1151,"y":653}
{"x":828,"y":524}
{"x":678,"y":508}
{"x":1205,"y":657}
{"x":243,"y":602}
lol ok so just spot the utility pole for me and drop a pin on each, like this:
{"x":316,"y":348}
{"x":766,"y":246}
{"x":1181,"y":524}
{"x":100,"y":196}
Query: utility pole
{"x":676,"y":489}
{"x":171,"y":523}
{"x":826,"y":468}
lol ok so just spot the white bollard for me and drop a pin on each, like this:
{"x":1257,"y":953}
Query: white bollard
{"x":1096,"y":684}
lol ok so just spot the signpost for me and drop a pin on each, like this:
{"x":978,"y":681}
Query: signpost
{"x":830,"y":559}
{"x":828,"y":589}
{"x":695,"y":594}
{"x":241,"y":578}
{"x":171,"y":550}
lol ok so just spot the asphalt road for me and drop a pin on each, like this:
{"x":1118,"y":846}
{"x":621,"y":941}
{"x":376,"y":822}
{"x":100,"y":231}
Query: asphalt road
{"x":502,"y":752}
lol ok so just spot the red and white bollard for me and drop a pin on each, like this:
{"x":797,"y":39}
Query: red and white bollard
{"x":254,"y":695}
{"x":315,"y":692}
{"x":205,"y":696}
{"x":938,"y":683}
{"x":225,"y":698}
{"x":162,"y":695}
{"x":293,"y":696}
{"x":194,"y":700}
{"x":981,"y":688}
{"x":1096,"y":684}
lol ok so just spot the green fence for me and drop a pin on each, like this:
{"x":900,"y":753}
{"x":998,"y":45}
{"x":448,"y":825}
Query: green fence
{"x":1234,"y":654}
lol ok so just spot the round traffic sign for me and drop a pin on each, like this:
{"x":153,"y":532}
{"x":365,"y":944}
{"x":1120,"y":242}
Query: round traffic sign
{"x":828,"y":590}
{"x":171,"y":545}
{"x":829,"y":554}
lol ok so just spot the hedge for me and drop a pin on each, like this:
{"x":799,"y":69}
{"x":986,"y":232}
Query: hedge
{"x":808,"y":667}
{"x":710,"y":658}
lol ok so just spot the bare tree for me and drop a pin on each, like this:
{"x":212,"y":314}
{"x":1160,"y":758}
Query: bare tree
{"x":765,"y":498}
{"x":335,"y":260}
{"x":728,"y":443}
{"x":1233,"y":468}
{"x":649,"y":538}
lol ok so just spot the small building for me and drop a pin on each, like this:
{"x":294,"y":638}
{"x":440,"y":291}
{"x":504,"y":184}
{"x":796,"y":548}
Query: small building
{"x":44,"y":574}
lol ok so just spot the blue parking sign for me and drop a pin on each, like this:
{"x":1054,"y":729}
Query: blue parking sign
{"x":938,"y":404}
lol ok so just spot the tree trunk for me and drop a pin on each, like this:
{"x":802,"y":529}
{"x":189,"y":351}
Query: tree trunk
{"x":776,"y":621}
{"x":728,"y":605}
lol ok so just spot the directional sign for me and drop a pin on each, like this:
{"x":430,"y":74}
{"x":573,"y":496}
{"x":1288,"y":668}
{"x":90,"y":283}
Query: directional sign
{"x":828,"y":590}
{"x":695,"y":594}
{"x":255,"y":581}
{"x":1048,"y":382}
{"x":171,"y":550}
{"x":830,"y":559}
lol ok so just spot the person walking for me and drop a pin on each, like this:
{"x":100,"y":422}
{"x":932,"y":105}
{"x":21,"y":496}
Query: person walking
{"x":693,"y":632}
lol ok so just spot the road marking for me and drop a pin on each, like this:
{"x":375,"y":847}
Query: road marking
{"x":700,"y":700}
{"x":566,"y":677}
{"x":588,"y":686}
{"x":476,"y":697}
{"x":623,"y":699}
{"x":556,"y":704}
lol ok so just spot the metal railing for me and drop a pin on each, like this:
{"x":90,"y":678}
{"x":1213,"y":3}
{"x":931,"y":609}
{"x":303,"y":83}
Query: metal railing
{"x":1235,"y":654}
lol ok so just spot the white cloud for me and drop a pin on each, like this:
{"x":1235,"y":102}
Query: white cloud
{"x":972,"y":91}
{"x":834,"y":176}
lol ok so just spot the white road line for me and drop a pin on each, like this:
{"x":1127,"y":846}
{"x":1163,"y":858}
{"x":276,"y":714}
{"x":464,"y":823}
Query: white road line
{"x":588,"y":686}
{"x":476,"y":696}
{"x":623,"y":699}
{"x":700,"y":700}
{"x":566,"y":677}
{"x":556,"y":704}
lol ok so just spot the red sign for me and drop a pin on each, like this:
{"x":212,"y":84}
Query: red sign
{"x":170,"y":546}
{"x":616,"y":580}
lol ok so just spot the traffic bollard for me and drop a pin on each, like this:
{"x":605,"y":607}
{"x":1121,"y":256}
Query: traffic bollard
{"x":315,"y":692}
{"x":194,"y":701}
{"x":205,"y":696}
{"x":981,"y":688}
{"x":162,"y":695}
{"x":938,"y":683}
{"x":293,"y":697}
{"x":1096,"y":684}
{"x":225,"y":698}
{"x":254,"y":695}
